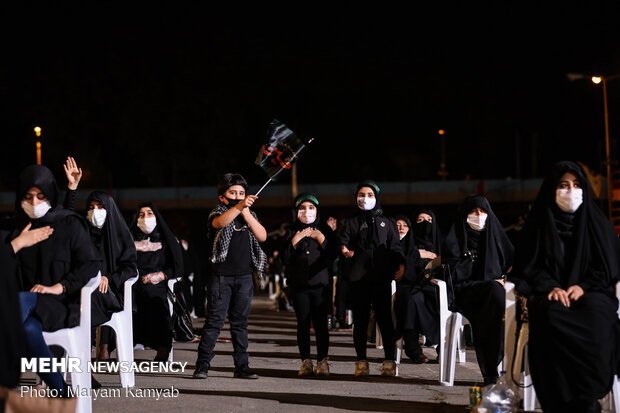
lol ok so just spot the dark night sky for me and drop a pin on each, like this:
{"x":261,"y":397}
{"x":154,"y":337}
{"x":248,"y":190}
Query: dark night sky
{"x":177,"y":96}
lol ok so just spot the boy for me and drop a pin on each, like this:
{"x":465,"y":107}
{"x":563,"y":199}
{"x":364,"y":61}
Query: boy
{"x":234,"y":235}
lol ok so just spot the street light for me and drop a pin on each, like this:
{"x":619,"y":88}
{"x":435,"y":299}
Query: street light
{"x":37,"y":132}
{"x":442,"y":165}
{"x":596,"y":80}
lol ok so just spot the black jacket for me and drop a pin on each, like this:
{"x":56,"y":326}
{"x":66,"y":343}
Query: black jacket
{"x":373,"y":264}
{"x":306,"y":265}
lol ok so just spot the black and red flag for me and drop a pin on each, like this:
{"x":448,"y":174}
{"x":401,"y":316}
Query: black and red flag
{"x":280,"y":152}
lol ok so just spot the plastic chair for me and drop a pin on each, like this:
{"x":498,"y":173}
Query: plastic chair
{"x":76,"y":343}
{"x":529,"y":393}
{"x":122,"y":323}
{"x":171,"y":283}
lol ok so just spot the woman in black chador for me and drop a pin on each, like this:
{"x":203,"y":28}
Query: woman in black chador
{"x":415,"y":304}
{"x":159,"y":258}
{"x":373,"y":258}
{"x":52,"y":272}
{"x":480,"y":254}
{"x":306,"y":258}
{"x":567,"y":264}
{"x":113,"y":241}
{"x":427,"y":236}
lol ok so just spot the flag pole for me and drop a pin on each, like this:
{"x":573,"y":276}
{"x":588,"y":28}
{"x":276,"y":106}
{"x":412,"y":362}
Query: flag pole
{"x":295,"y":155}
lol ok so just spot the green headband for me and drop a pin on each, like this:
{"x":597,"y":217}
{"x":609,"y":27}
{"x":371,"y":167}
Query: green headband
{"x":303,"y":198}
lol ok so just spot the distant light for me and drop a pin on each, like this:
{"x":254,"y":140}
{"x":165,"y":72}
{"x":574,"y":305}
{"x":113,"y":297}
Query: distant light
{"x":37,"y":130}
{"x":441,"y":132}
{"x":38,"y":145}
{"x":596,"y":79}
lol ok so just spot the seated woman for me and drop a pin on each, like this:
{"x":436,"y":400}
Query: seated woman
{"x":480,"y":254}
{"x":53,"y":271}
{"x":159,"y":257}
{"x":112,"y":240}
{"x":415,"y":304}
{"x":12,"y":341}
{"x":567,"y":265}
{"x":427,"y":236}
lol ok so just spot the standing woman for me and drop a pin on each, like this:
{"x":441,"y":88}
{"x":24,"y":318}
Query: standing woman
{"x":159,"y":258}
{"x":306,"y":261}
{"x":373,"y":257}
{"x":480,"y":255}
{"x":415,"y":304}
{"x":567,"y":264}
{"x":51,"y":272}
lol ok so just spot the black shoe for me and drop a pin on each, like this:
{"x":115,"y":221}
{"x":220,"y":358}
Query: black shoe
{"x":245,"y":372}
{"x":201,"y":371}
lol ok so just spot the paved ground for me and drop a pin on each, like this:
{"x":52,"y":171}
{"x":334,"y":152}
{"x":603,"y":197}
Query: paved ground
{"x":274,"y":356}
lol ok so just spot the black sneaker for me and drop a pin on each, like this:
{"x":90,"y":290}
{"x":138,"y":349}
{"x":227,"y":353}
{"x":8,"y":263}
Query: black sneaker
{"x":201,"y":371}
{"x":245,"y":372}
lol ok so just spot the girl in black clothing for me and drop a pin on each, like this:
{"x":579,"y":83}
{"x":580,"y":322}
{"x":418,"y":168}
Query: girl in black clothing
{"x":480,"y":254}
{"x":415,"y":304}
{"x":373,"y":258}
{"x":52,"y":272}
{"x":159,"y":258}
{"x":567,"y":265}
{"x":306,"y":268}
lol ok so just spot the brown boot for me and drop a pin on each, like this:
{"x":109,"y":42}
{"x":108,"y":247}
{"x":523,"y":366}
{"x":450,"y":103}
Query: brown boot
{"x":361,"y":368}
{"x":306,"y":368}
{"x":322,"y":368}
{"x":388,"y":368}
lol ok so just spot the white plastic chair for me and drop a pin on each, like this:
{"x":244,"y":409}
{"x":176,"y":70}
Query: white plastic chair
{"x":122,"y":324}
{"x":76,"y":343}
{"x":171,"y":283}
{"x":529,"y":393}
{"x":451,"y":336}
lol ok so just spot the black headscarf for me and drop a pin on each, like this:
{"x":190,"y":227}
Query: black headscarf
{"x":593,"y":259}
{"x":427,"y":235}
{"x":41,"y":177}
{"x":371,"y":240}
{"x":161,"y":233}
{"x":117,"y":240}
{"x":495,"y":251}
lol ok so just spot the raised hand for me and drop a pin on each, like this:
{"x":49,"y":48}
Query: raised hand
{"x":74,"y":174}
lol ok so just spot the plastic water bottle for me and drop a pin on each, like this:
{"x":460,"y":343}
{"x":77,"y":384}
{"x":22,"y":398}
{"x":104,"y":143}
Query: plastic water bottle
{"x":501,"y":397}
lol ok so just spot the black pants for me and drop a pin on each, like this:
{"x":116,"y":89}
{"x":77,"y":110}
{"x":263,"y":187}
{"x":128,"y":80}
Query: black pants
{"x":312,"y":305}
{"x":232,"y":295}
{"x":342,"y":299}
{"x":484,"y":303}
{"x":379,"y":295}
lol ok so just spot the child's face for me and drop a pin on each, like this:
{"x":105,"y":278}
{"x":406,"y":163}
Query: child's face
{"x":233,"y":192}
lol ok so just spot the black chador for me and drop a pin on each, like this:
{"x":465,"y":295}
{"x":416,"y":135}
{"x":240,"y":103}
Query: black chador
{"x":572,"y":350}
{"x":161,"y":254}
{"x":415,"y":305}
{"x":68,"y":256}
{"x":479,"y":258}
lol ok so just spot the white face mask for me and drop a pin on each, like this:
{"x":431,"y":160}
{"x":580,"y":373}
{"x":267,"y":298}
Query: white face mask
{"x":96,"y":217}
{"x":401,"y":236}
{"x":36,"y":212}
{"x":569,"y":200}
{"x":366,"y":203}
{"x":477,"y":222}
{"x":147,"y":225}
{"x":307,"y":216}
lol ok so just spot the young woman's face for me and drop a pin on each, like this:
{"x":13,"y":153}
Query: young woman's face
{"x":34,"y":196}
{"x":424,"y":217}
{"x":402,"y":226}
{"x":569,"y":181}
{"x":365,"y":192}
{"x":307,"y":212}
{"x":146,"y":212}
{"x":98,"y":205}
{"x":478,"y":211}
